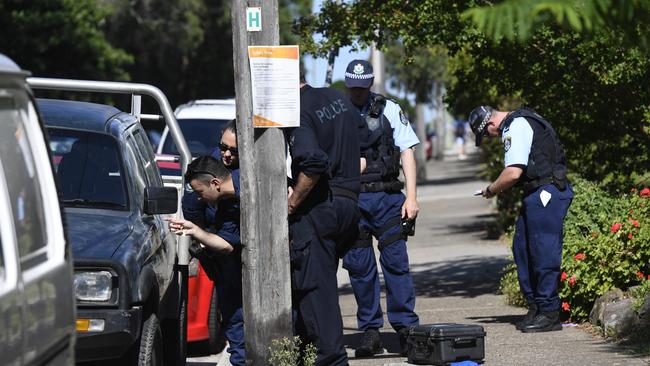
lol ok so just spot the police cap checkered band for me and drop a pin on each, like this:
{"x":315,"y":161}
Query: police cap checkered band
{"x":478,"y":121}
{"x":359,"y":74}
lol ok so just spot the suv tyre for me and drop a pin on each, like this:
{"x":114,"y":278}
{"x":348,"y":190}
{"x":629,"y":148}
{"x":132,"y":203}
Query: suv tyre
{"x":216,"y":339}
{"x":151,"y":350}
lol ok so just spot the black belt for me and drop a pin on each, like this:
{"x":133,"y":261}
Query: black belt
{"x":534,"y":184}
{"x":344,"y":192}
{"x":394,"y":186}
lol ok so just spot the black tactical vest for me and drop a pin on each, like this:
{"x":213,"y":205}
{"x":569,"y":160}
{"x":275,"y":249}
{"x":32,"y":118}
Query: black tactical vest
{"x":546,"y":161}
{"x":382,"y":165}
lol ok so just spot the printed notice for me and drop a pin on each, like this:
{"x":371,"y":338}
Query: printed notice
{"x":275,"y":80}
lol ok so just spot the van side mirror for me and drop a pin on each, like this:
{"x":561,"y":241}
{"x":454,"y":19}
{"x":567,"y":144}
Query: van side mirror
{"x":160,"y":200}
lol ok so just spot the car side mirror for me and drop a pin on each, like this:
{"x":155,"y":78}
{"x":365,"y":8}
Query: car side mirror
{"x":160,"y":200}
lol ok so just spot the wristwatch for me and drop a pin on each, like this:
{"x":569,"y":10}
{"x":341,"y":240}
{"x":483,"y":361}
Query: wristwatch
{"x":489,"y":192}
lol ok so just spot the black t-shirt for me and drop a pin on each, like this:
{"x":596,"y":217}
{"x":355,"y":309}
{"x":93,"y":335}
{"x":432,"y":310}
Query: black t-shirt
{"x":328,"y":139}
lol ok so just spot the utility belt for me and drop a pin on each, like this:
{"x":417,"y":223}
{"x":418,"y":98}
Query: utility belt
{"x":532,"y":185}
{"x":393,"y":186}
{"x":344,"y":192}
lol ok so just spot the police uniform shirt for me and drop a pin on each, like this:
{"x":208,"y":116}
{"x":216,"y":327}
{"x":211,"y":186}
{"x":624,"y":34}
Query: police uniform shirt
{"x":327,"y":141}
{"x":517,"y":140}
{"x":227,"y":220}
{"x":403,"y":134}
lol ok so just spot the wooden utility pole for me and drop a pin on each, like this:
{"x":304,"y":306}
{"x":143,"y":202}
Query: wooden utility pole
{"x":266,"y":279}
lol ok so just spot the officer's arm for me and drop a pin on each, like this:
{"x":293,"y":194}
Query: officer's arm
{"x":410,"y":208}
{"x":215,"y":242}
{"x":304,"y":185}
{"x":508,"y":177}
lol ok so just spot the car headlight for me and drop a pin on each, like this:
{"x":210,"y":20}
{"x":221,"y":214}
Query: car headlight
{"x":93,"y":286}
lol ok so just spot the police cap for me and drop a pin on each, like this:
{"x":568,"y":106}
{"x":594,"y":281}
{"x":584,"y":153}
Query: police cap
{"x":478,"y":121}
{"x":359,"y":74}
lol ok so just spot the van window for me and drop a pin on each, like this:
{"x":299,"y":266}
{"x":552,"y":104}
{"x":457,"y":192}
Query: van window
{"x":146,"y":155}
{"x":22,"y":184}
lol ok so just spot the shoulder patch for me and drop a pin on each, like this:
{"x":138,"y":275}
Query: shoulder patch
{"x":507,"y":142}
{"x":402,"y":118}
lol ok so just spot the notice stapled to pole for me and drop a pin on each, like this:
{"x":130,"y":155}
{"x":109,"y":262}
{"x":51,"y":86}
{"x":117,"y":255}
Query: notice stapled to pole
{"x":275,"y":82}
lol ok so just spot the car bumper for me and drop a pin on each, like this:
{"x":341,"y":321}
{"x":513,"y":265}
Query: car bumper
{"x":121,"y":330}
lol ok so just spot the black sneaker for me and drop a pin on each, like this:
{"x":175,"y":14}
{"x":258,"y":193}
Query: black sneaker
{"x":371,"y":344}
{"x":403,"y":334}
{"x":544,"y":322}
{"x":528,"y":318}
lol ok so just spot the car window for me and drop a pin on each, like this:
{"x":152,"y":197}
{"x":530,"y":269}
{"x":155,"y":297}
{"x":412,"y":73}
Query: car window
{"x":134,"y":156}
{"x":22,"y":184}
{"x":145,"y":152}
{"x":88,"y":167}
{"x":201,"y":135}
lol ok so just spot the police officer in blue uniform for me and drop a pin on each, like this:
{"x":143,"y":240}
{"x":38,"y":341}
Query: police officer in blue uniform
{"x":384,"y":209}
{"x":215,"y":184}
{"x":323,"y":214}
{"x":534,"y":158}
{"x":195,"y":210}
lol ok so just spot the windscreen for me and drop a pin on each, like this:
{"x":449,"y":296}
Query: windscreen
{"x":89,"y":170}
{"x":201,"y":135}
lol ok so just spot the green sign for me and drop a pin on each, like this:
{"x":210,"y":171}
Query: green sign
{"x":253,"y":19}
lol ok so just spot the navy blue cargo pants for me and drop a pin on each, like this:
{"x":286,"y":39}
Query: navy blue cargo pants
{"x":229,"y":299}
{"x":314,"y":233}
{"x":537,"y":245}
{"x":380,"y":216}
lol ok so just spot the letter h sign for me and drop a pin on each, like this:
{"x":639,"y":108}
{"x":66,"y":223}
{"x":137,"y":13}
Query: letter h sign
{"x":253,"y":19}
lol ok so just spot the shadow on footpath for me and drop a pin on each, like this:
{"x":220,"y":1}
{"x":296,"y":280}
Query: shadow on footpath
{"x":481,"y":224}
{"x":464,"y":277}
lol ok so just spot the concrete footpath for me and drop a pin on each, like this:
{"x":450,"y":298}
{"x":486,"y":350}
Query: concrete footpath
{"x":456,"y":270}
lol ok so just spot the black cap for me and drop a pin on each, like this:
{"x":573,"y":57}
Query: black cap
{"x":359,"y":74}
{"x":478,"y":121}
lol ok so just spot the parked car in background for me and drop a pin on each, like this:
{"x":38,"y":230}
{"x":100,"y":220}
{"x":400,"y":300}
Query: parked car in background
{"x":37,"y":311}
{"x":126,"y":281}
{"x":201,"y":122}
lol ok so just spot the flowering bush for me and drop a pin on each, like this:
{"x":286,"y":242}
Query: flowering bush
{"x":606,"y":245}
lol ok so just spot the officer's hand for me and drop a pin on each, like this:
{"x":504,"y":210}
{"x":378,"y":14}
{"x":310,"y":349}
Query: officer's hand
{"x":410,"y":209}
{"x":181,"y":227}
{"x":487,"y":193}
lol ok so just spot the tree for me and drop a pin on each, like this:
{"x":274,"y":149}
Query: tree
{"x":61,"y":38}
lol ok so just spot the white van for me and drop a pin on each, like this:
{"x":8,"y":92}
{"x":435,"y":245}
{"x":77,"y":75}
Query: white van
{"x":201,"y":122}
{"x":37,"y":310}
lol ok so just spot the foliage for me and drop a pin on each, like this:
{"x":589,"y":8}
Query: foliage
{"x":61,"y":38}
{"x":288,"y":352}
{"x":509,"y":287}
{"x":606,"y":245}
{"x":518,"y":19}
{"x":640,"y":294}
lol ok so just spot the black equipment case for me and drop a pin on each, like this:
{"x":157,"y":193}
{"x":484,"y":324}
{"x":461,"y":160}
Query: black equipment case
{"x":440,"y":344}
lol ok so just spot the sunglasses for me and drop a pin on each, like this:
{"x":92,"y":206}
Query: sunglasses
{"x":223,"y":147}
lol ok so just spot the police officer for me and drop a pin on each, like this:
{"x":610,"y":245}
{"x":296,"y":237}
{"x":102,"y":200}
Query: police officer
{"x":383,"y":207}
{"x":324,"y":214}
{"x":534,"y":158}
{"x":215,"y":184}
{"x":198,"y":211}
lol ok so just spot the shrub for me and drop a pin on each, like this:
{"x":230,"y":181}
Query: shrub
{"x":288,"y":352}
{"x":606,"y":245}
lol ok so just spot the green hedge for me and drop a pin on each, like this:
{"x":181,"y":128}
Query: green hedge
{"x":606,"y":245}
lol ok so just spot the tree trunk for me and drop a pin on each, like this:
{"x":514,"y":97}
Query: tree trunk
{"x":441,"y":130}
{"x":420,"y":153}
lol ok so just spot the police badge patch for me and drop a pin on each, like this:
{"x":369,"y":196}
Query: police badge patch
{"x":506,"y":143}
{"x":402,"y":118}
{"x":358,"y":69}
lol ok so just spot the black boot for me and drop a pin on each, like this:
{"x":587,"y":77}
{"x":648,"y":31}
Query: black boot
{"x":528,"y":318}
{"x":544,"y":322}
{"x":403,"y":334}
{"x":371,"y":344}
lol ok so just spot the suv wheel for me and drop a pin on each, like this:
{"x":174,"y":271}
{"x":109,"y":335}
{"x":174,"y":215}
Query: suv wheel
{"x":151,"y":352}
{"x":216,"y":339}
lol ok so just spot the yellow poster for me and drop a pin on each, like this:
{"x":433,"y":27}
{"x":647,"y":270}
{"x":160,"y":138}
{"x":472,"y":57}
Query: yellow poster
{"x":275,"y":82}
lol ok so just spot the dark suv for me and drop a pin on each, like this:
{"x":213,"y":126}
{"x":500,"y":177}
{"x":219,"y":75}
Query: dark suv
{"x":126,"y":284}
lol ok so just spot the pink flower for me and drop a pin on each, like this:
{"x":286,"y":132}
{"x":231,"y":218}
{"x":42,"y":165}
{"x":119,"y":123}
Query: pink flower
{"x":616,"y":227}
{"x":572,"y":281}
{"x":580,"y":256}
{"x":640,"y":275}
{"x":630,"y":236}
{"x":635,"y":223}
{"x":649,"y":277}
{"x":566,"y":306}
{"x":563,"y":276}
{"x":645,"y":192}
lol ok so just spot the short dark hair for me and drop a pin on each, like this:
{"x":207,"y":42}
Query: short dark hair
{"x":230,"y":126}
{"x":206,"y":167}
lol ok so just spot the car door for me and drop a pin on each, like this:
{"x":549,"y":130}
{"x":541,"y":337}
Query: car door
{"x":45,"y":270}
{"x":163,"y":260}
